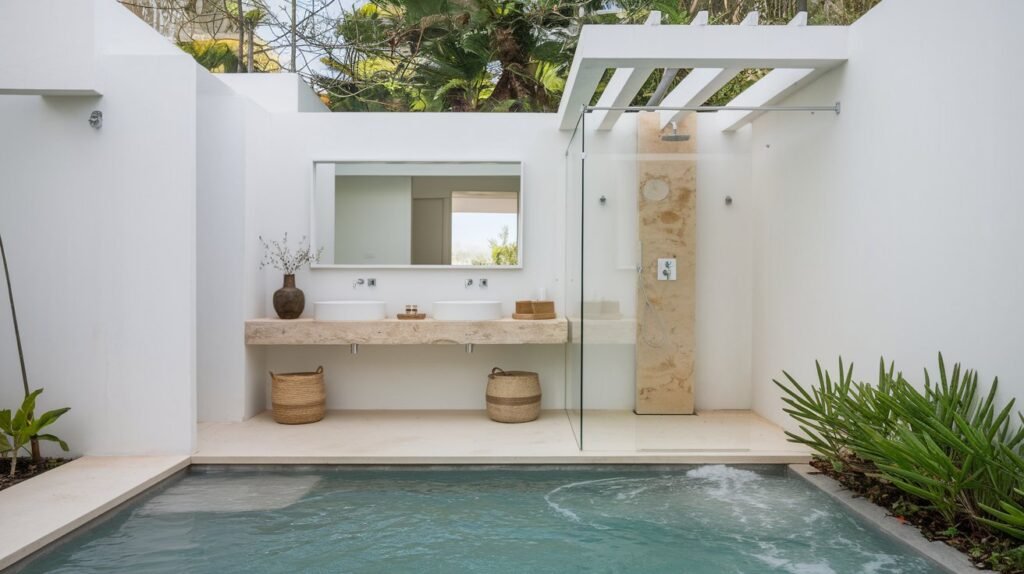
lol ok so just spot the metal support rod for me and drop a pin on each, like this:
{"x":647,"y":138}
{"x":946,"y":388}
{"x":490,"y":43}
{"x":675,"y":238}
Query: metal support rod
{"x":353,"y":348}
{"x":832,"y":108}
{"x":469,"y":347}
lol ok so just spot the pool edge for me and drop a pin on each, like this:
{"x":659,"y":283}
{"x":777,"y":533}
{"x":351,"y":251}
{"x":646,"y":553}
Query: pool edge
{"x":62,"y":500}
{"x":939,"y":554}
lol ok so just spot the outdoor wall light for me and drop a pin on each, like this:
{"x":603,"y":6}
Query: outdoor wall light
{"x":96,"y":119}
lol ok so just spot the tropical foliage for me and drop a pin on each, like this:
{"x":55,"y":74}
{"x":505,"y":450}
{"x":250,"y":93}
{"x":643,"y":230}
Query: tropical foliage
{"x":444,"y":55}
{"x":951,"y":445}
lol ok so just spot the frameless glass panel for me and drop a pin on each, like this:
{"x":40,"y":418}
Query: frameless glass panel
{"x":668,"y":262}
{"x":610,"y":258}
{"x":574,"y":282}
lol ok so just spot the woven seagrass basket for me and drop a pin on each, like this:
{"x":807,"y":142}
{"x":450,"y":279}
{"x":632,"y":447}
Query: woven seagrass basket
{"x":513,"y":396}
{"x":298,"y":398}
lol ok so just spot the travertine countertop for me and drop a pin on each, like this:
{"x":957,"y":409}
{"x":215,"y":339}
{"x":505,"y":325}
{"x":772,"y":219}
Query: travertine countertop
{"x":401,"y":332}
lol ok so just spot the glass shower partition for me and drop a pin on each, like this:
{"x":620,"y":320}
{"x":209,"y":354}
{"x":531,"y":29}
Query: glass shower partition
{"x":574,"y":168}
{"x":608,"y":292}
{"x":638,"y":307}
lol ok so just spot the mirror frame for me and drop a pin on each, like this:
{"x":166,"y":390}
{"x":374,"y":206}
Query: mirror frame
{"x":519,"y":222}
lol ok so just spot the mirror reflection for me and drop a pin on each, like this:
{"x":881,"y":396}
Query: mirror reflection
{"x":439,"y":214}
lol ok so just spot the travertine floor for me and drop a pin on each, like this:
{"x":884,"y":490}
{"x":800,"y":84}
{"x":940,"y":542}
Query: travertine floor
{"x":463,"y":437}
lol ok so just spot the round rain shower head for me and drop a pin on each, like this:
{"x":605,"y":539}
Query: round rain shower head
{"x":675,"y":136}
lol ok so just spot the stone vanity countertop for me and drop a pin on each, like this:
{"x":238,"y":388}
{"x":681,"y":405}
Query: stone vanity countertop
{"x":406,"y":332}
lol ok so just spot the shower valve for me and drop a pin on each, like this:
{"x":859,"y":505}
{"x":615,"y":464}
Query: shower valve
{"x":666,"y":269}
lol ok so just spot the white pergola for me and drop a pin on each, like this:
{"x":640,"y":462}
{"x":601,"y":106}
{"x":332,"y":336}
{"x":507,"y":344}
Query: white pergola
{"x":796,"y":53}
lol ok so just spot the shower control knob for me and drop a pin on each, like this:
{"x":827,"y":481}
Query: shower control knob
{"x":666,"y":269}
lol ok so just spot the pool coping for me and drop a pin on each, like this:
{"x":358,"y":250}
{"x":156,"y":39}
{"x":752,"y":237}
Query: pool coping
{"x":940,"y":554}
{"x":584,"y":458}
{"x":58,"y":502}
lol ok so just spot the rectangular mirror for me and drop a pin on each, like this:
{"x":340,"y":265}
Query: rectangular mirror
{"x":418,"y":214}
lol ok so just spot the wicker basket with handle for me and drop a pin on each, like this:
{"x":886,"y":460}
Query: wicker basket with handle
{"x":298,"y":398}
{"x":513,"y":396}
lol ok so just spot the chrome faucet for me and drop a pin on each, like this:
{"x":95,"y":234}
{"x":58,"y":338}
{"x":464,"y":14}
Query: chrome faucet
{"x":358,"y":282}
{"x":469,"y":282}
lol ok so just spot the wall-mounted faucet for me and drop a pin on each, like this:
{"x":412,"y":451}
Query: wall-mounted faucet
{"x":371,"y":282}
{"x":469,"y":283}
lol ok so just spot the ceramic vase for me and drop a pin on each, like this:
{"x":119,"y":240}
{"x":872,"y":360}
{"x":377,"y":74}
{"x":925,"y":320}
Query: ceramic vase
{"x":289,"y":300}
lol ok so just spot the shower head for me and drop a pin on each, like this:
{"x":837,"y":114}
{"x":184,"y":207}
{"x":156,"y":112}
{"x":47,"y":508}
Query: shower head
{"x":675,"y":136}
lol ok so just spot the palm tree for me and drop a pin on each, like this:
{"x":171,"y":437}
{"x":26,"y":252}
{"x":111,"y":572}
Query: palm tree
{"x":457,"y":55}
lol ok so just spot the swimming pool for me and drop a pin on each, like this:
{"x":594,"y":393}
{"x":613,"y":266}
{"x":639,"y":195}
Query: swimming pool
{"x":510,"y":519}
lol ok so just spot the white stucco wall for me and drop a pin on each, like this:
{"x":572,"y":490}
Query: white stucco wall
{"x":894,"y":229}
{"x":69,"y":49}
{"x":280,"y":92}
{"x":100,"y":231}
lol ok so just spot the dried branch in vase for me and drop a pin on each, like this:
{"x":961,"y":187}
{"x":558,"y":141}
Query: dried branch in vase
{"x":279,"y":255}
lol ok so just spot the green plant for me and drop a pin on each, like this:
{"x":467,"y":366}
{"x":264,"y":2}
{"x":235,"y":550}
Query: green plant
{"x":503,"y":252}
{"x":1007,"y":514}
{"x":818,"y":412}
{"x":948,"y":445}
{"x":21,"y":427}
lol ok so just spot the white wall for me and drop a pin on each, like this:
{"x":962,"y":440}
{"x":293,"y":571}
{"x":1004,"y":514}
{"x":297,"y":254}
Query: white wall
{"x":225,"y":259}
{"x":894,"y":229}
{"x":68,"y":52}
{"x":724,"y":268}
{"x":278,"y":92}
{"x":100,"y":231}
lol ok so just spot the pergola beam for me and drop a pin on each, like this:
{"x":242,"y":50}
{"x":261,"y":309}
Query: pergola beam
{"x":772,"y":88}
{"x":641,"y":47}
{"x":700,"y":84}
{"x":627,"y":46}
{"x":621,"y":90}
{"x":624,"y":85}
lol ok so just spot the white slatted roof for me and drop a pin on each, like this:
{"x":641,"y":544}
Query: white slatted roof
{"x":797,"y":54}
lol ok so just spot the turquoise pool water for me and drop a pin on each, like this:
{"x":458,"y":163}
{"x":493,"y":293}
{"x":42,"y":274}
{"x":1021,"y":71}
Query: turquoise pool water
{"x":711,"y":519}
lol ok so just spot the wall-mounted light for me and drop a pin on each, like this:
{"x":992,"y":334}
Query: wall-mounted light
{"x":96,"y":119}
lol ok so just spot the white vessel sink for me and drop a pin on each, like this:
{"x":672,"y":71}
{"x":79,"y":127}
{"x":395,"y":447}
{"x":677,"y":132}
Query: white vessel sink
{"x":349,"y":310}
{"x":467,"y":310}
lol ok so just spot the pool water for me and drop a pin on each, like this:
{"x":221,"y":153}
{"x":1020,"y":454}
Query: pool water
{"x":712,"y":519}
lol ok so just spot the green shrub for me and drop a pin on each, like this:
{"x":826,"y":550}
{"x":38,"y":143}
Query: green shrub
{"x":948,"y":445}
